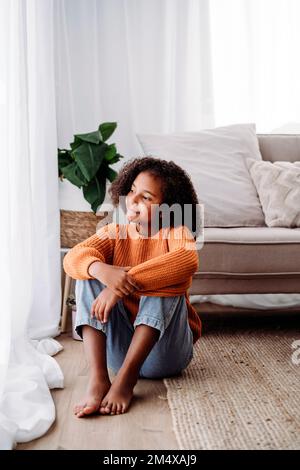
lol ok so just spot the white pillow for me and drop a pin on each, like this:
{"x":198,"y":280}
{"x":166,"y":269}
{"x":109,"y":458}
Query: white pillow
{"x":278,"y":187}
{"x":215,"y":160}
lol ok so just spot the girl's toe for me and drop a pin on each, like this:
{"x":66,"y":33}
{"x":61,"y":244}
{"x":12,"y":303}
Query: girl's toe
{"x":104,"y":403}
{"x":88,"y":410}
{"x":114,"y":409}
{"x":108,"y":409}
{"x":119,"y":409}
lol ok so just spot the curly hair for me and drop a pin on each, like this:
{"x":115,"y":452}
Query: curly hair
{"x":177,"y":187}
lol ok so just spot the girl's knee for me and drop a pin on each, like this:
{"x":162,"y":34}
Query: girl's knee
{"x":161,"y":305}
{"x":161,"y":299}
{"x":164,"y":361}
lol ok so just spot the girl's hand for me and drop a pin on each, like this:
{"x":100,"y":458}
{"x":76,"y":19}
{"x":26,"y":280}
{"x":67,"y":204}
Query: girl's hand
{"x":118,"y":280}
{"x":103,"y":304}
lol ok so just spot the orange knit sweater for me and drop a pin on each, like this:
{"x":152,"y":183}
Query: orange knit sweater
{"x":163,"y":265}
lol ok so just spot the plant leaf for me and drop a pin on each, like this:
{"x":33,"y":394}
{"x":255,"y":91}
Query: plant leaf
{"x":95,"y":206}
{"x":64,"y":158}
{"x":73,"y":173}
{"x":89,"y":158}
{"x":91,"y":137}
{"x":106,"y":129}
{"x":115,"y":159}
{"x":110,"y":152}
{"x":76,"y":143}
{"x":111,"y":174}
{"x":95,"y":192}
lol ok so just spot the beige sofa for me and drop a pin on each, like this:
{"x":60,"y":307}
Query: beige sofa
{"x":247,"y":260}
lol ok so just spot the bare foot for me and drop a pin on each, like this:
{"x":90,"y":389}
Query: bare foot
{"x":119,"y":396}
{"x":96,"y":390}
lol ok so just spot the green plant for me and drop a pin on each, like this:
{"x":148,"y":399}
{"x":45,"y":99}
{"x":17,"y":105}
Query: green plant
{"x":87,"y":163}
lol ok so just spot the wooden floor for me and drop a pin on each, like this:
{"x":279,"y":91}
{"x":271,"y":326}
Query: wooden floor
{"x":146,"y":425}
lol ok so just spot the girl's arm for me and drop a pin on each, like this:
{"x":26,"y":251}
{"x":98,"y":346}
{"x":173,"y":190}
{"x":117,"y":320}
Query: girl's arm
{"x":97,"y":248}
{"x":172,"y":271}
{"x":177,"y":289}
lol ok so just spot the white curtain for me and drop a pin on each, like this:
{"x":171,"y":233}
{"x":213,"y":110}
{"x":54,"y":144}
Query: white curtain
{"x":175,"y":65}
{"x":145,"y":64}
{"x":29,"y":235}
{"x":256,"y":74}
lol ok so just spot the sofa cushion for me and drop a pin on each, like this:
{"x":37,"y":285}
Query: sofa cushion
{"x":249,"y":250}
{"x":279,"y":147}
{"x":278,"y":188}
{"x":215,"y":160}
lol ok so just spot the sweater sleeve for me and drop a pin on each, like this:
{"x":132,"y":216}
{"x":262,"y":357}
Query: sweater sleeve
{"x":172,"y":271}
{"x":98,"y":247}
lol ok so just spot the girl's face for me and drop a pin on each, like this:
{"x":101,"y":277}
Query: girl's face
{"x":145,"y":191}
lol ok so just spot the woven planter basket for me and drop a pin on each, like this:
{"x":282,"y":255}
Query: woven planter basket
{"x":76,"y":226}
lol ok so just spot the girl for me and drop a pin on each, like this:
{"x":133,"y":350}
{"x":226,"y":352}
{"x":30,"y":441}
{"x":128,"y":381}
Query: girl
{"x":133,"y":311}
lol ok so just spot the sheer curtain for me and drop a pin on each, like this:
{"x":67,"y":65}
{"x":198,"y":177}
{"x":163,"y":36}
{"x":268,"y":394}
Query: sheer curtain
{"x":256,"y":73}
{"x":30,"y":265}
{"x":173,"y":65}
{"x":145,"y":64}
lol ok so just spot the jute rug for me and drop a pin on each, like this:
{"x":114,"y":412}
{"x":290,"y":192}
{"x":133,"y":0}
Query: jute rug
{"x":241,"y":390}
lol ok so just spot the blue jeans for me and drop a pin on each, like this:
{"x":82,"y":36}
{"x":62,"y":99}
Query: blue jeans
{"x":171,"y":353}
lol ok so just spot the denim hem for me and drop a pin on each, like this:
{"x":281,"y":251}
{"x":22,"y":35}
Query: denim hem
{"x":91,"y":322}
{"x":150,"y":321}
